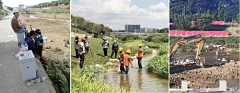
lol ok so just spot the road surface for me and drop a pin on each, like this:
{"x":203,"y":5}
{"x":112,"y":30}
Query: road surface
{"x":10,"y":72}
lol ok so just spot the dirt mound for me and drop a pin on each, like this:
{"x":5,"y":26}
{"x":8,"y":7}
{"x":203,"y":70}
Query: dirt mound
{"x":206,"y":77}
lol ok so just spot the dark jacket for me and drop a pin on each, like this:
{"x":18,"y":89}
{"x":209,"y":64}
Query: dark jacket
{"x":115,"y":47}
{"x":31,"y":44}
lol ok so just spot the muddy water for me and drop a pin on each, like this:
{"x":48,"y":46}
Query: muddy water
{"x":210,"y":56}
{"x":137,"y":80}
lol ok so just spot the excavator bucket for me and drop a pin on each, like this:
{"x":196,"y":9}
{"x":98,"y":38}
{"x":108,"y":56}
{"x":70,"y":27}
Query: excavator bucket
{"x":201,"y":61}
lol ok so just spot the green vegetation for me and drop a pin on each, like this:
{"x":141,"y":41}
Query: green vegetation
{"x":164,"y":30}
{"x":87,"y":80}
{"x":159,"y":64}
{"x":59,"y":73}
{"x":182,"y":12}
{"x":53,"y":3}
{"x":79,"y":31}
{"x":90,"y":27}
{"x":157,"y":38}
{"x":55,"y":10}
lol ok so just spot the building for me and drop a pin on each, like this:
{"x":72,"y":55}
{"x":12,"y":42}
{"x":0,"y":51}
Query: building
{"x":131,"y":28}
{"x":147,"y":29}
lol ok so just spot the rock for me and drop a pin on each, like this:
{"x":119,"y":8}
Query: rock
{"x":114,"y":60}
{"x":223,"y":59}
{"x":147,"y":47}
{"x":58,"y":49}
{"x":48,"y":47}
{"x":109,"y":64}
{"x":51,"y":40}
{"x":98,"y":66}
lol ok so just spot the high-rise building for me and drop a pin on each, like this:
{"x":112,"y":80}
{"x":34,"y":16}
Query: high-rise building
{"x":131,"y":28}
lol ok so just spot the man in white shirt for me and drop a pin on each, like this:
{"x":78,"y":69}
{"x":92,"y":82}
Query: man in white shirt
{"x":82,"y":51}
{"x":105,"y":45}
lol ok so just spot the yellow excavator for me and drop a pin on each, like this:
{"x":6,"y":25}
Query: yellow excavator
{"x":201,"y":38}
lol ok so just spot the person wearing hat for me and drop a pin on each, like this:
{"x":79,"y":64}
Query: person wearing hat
{"x":39,"y":39}
{"x":82,"y":51}
{"x":114,"y":49}
{"x":86,"y":44}
{"x":140,"y":55}
{"x":127,"y":61}
{"x":105,"y":45}
{"x":32,"y":45}
{"x":76,"y":45}
{"x":16,"y":24}
{"x":121,"y":57}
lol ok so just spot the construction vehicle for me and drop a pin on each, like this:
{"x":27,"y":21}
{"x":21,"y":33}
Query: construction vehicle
{"x":201,"y":38}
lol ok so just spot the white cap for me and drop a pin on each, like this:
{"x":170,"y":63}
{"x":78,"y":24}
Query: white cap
{"x":15,"y":10}
{"x":115,"y":41}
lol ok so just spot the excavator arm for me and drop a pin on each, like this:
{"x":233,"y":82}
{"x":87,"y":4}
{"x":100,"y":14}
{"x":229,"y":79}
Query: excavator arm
{"x":201,"y":38}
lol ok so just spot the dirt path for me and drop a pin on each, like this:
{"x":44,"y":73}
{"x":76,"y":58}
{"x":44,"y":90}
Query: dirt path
{"x":208,"y":77}
{"x":56,"y":31}
{"x":233,"y":30}
{"x":138,"y":80}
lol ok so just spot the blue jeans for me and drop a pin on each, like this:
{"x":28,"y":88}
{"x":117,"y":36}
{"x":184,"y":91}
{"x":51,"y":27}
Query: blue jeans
{"x":23,"y":30}
{"x":127,"y":69}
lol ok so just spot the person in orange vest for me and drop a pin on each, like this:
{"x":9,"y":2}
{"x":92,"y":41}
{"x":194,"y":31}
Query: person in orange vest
{"x":121,"y":57}
{"x":127,"y":60}
{"x":140,"y":55}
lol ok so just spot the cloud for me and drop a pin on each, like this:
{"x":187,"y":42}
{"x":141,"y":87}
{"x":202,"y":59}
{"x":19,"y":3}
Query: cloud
{"x":159,"y":7}
{"x":117,"y":13}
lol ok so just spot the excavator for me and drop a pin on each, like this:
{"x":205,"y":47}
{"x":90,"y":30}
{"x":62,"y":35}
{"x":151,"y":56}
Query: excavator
{"x":201,"y":38}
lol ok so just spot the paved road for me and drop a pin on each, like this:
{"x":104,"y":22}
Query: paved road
{"x":10,"y":72}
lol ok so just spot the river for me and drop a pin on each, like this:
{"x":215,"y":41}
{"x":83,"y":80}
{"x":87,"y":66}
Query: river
{"x":137,"y":80}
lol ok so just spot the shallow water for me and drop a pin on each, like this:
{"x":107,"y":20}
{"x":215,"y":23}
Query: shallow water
{"x":137,"y":80}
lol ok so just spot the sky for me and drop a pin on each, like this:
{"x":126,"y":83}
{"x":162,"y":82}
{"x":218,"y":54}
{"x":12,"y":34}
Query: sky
{"x":15,"y":3}
{"x":117,"y":13}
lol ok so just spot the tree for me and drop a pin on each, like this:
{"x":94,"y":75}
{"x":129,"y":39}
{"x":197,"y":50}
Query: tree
{"x":1,"y":3}
{"x":204,"y":22}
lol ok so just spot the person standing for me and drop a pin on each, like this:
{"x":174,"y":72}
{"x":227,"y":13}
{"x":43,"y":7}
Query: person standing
{"x":105,"y":45}
{"x":121,"y":57}
{"x":140,"y":55}
{"x":76,"y":45}
{"x":114,"y":49}
{"x":127,"y":61}
{"x":16,"y":24}
{"x":82,"y":51}
{"x":86,"y":45}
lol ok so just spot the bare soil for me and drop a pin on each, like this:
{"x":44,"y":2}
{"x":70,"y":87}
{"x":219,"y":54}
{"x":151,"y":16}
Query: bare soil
{"x":205,"y":77}
{"x":58,"y":16}
{"x":57,"y":33}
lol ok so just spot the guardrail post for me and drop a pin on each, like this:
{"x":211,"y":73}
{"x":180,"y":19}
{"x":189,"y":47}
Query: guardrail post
{"x":223,"y":85}
{"x":184,"y":86}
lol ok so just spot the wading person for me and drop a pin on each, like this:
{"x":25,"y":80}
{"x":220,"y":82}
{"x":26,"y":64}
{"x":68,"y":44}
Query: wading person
{"x":76,"y":45}
{"x":86,"y":45}
{"x":105,"y":45}
{"x":39,"y":39}
{"x":121,"y":57}
{"x":127,"y":61}
{"x":140,"y":55}
{"x":16,"y":24}
{"x":82,"y":52}
{"x":32,"y":45}
{"x":114,"y":49}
